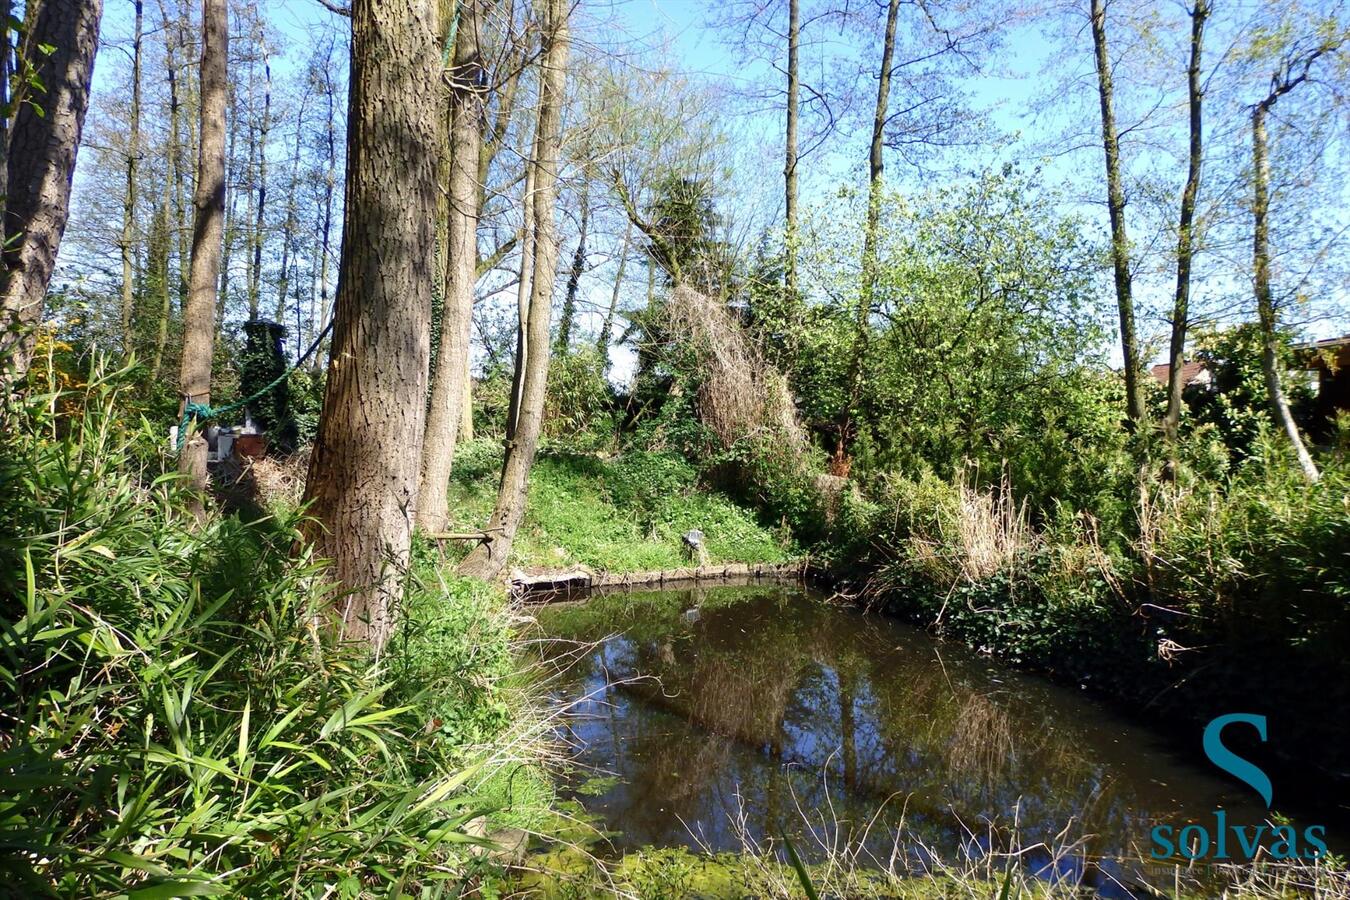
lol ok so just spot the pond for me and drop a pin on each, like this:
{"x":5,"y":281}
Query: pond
{"x":702,"y":717}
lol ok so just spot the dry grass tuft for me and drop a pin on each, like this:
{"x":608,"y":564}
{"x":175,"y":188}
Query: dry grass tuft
{"x":742,"y":395}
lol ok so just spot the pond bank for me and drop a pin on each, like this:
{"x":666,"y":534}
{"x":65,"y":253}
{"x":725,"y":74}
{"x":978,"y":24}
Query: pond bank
{"x":542,"y":584}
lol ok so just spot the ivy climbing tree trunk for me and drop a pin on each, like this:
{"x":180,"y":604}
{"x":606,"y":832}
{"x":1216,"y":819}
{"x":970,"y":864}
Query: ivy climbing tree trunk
{"x":363,"y":475}
{"x":199,"y":318}
{"x":41,"y":162}
{"x":463,"y":194}
{"x":1176,"y":355}
{"x":524,"y":285}
{"x":489,"y":558}
{"x":569,"y":308}
{"x":1115,"y":201}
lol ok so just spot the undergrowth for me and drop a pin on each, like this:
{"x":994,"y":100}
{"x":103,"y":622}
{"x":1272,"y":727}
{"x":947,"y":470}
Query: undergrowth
{"x":178,"y":721}
{"x":621,"y":514}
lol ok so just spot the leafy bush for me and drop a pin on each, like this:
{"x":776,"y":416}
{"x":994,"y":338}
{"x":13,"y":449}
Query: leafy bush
{"x":579,"y":403}
{"x":175,"y":723}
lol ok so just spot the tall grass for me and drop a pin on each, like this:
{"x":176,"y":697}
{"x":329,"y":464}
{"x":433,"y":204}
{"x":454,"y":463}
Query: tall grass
{"x":172,"y":722}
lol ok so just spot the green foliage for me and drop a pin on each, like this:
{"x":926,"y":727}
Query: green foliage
{"x":980,"y":347}
{"x":260,"y":365}
{"x":1234,"y":406}
{"x":451,"y":653}
{"x":304,"y":388}
{"x":625,"y":514}
{"x":175,"y":723}
{"x":579,"y":403}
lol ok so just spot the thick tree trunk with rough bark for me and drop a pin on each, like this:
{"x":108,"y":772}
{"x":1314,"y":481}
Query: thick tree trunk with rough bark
{"x":363,"y":476}
{"x":1265,"y":300}
{"x":463,"y":193}
{"x":199,"y":320}
{"x":1176,"y":356}
{"x":489,"y":558}
{"x":790,"y":163}
{"x":41,"y":163}
{"x":1115,"y":201}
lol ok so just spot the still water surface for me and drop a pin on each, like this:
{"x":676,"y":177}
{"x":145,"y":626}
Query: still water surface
{"x":767,"y":707}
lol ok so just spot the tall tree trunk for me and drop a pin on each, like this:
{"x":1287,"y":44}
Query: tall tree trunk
{"x":466,"y":413}
{"x":524,"y":295}
{"x":228,"y":229}
{"x":159,"y":262}
{"x":260,"y":222}
{"x":176,"y":37}
{"x":602,"y":341}
{"x":1115,"y":199}
{"x":1265,"y":300}
{"x":326,"y":221}
{"x":1176,"y":355}
{"x":461,"y":253}
{"x":790,"y":163}
{"x":569,"y":308}
{"x":362,"y":485}
{"x":41,"y":162}
{"x":289,"y":221}
{"x":127,"y":241}
{"x":876,"y":165}
{"x":207,"y":225}
{"x":488,"y":558}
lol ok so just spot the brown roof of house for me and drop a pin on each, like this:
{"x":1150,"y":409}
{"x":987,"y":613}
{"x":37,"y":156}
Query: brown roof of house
{"x":1189,"y":372}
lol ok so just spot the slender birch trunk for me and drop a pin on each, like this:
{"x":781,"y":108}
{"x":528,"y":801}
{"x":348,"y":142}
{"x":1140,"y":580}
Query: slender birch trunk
{"x":1265,"y":299}
{"x":127,"y":241}
{"x":465,"y":112}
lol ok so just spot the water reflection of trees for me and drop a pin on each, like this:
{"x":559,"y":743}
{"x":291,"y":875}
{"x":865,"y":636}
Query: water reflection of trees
{"x":794,"y":703}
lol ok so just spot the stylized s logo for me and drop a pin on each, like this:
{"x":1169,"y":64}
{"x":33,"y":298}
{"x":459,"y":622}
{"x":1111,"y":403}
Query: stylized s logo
{"x":1229,"y":761}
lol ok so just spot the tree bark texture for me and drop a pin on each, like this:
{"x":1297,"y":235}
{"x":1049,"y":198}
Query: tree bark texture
{"x":463,"y":195}
{"x":129,"y":198}
{"x":41,"y":163}
{"x":363,"y":475}
{"x":199,"y":318}
{"x":1115,"y":201}
{"x":489,"y":558}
